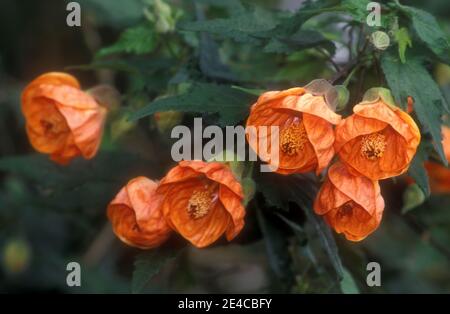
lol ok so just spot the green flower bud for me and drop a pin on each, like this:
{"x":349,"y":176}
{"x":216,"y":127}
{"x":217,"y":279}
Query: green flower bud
{"x":343,"y":97}
{"x":412,"y":197}
{"x":380,"y":40}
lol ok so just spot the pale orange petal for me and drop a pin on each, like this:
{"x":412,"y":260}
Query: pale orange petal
{"x":136,"y":215}
{"x":200,"y":232}
{"x":321,"y":136}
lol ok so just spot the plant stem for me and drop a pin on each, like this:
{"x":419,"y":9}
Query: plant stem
{"x":349,"y":77}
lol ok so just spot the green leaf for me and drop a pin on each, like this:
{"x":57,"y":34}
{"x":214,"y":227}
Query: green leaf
{"x":147,"y":265}
{"x":40,"y":169}
{"x":417,"y":170}
{"x":348,"y":284}
{"x":303,"y":39}
{"x":277,"y":248}
{"x":309,"y":9}
{"x":83,"y":184}
{"x":249,"y":187}
{"x":412,"y":198}
{"x":231,"y":104}
{"x":402,"y":37}
{"x":301,"y":189}
{"x":137,"y":40}
{"x":244,"y":27}
{"x":296,"y":228}
{"x":325,"y":236}
{"x":357,"y":9}
{"x":412,"y":79}
{"x":232,"y":6}
{"x":210,"y":63}
{"x":429,"y":31}
{"x":114,"y":13}
{"x":275,"y":32}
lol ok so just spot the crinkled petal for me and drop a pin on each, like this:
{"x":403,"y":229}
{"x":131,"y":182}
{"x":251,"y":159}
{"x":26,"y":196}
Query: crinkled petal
{"x":329,"y":198}
{"x":359,"y":189}
{"x":234,"y":207}
{"x":136,"y":215}
{"x":355,"y":227}
{"x":313,"y":105}
{"x":354,"y":126}
{"x":321,"y":136}
{"x":200,"y":232}
{"x":394,"y":161}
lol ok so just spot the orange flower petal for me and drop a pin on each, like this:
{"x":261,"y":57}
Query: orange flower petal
{"x":439,"y":177}
{"x":200,"y":232}
{"x":350,"y":203}
{"x":438,"y":174}
{"x":394,"y":162}
{"x":292,"y":110}
{"x":329,"y":198}
{"x":277,"y":95}
{"x":355,"y":227}
{"x":399,"y":120}
{"x":374,"y":123}
{"x":234,"y":207}
{"x":314,"y":105}
{"x":42,"y":140}
{"x":446,"y":141}
{"x":61,"y":119}
{"x":358,"y":188}
{"x":321,"y":136}
{"x":222,"y":210}
{"x":136,"y":215}
{"x":215,"y":171}
{"x":354,"y":126}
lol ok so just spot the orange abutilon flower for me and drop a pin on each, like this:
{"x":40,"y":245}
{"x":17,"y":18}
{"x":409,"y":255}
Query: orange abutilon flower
{"x":136,"y":216}
{"x":349,"y":202}
{"x":379,"y":140}
{"x":62,"y":120}
{"x":201,"y":201}
{"x":439,"y":175}
{"x":305,"y":122}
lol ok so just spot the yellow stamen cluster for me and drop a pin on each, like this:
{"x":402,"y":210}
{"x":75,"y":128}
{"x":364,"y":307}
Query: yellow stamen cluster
{"x":373,"y":146}
{"x":293,"y":139}
{"x":199,"y":204}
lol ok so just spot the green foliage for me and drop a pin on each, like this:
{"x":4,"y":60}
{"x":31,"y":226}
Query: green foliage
{"x":147,"y":265}
{"x":412,"y":79}
{"x":302,"y":39}
{"x":115,"y":13}
{"x":245,"y":27}
{"x":231,"y":104}
{"x":210,"y":63}
{"x":276,"y":33}
{"x":412,"y":198}
{"x":137,"y":40}
{"x":357,"y":9}
{"x":404,"y":41}
{"x":40,"y":170}
{"x":276,"y":247}
{"x":429,"y":31}
{"x":417,"y":170}
{"x":348,"y":284}
{"x":301,"y":190}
